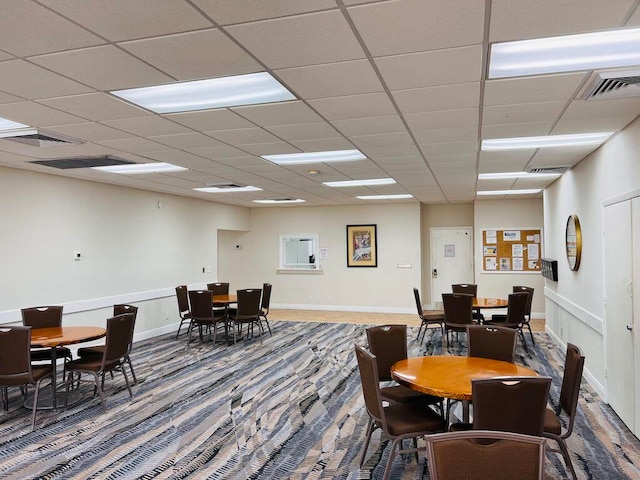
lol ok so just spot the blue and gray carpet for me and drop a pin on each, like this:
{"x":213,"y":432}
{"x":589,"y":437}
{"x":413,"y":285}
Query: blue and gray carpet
{"x":288,"y":409}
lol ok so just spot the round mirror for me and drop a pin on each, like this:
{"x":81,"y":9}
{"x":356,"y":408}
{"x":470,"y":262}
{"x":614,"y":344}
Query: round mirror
{"x":573,"y":242}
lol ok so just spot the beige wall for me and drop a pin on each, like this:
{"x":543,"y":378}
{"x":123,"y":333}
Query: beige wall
{"x":385,"y":288}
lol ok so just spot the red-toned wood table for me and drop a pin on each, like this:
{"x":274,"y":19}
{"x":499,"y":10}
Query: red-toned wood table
{"x":485,"y":302}
{"x":450,"y":376}
{"x":53,"y":337}
{"x":226,"y":300}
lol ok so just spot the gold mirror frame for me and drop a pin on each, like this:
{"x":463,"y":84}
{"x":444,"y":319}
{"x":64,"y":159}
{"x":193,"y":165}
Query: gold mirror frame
{"x":573,"y":242}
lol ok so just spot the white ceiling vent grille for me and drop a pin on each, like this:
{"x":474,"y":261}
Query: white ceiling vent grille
{"x":547,"y":170}
{"x":613,"y":85}
{"x":225,"y":185}
{"x":37,"y":138}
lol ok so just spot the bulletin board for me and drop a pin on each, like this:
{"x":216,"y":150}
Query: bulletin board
{"x":511,"y":250}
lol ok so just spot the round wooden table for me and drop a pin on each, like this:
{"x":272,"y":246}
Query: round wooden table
{"x":484,"y":302}
{"x":450,"y":376}
{"x":53,"y":337}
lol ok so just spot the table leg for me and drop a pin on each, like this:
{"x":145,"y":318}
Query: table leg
{"x":465,"y":411}
{"x":54,"y":376}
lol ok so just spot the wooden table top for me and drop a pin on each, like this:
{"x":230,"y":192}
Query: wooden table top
{"x":483,"y":302}
{"x":58,"y":336}
{"x":232,"y":298}
{"x":450,"y":376}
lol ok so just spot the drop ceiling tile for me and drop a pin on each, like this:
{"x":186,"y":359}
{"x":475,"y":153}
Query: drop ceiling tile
{"x":382,"y":140}
{"x":286,"y":113}
{"x":36,"y":115}
{"x":323,"y":144}
{"x":634,"y":20}
{"x":304,"y":131}
{"x":542,"y":88}
{"x":210,"y":120}
{"x":147,"y":126}
{"x":5,"y":56}
{"x":227,"y":12}
{"x":89,"y":132}
{"x":504,"y":164}
{"x":214,"y":153}
{"x":6,"y":98}
{"x":446,"y":97}
{"x":443,"y":149}
{"x":522,"y":183}
{"x":520,"y":19}
{"x":172,"y":181}
{"x":406,"y":26}
{"x":581,"y":109}
{"x":517,"y":157}
{"x":274,"y":148}
{"x":134,"y":145}
{"x":216,"y":168}
{"x":393,"y":151}
{"x":508,"y":130}
{"x":522,"y":113}
{"x":242,"y":162}
{"x":178,"y":157}
{"x":95,"y":106}
{"x":465,"y":117}
{"x":119,"y":20}
{"x":186,"y":140}
{"x":194,"y":55}
{"x":103,"y":68}
{"x":332,"y":80}
{"x":561,"y":156}
{"x":442,"y":135}
{"x":370,"y":126}
{"x":428,"y":69}
{"x":310,"y":39}
{"x":43,"y":32}
{"x":244,"y":136}
{"x":354,"y":106}
{"x":30,"y":81}
{"x":590,"y":125}
{"x":415,"y":178}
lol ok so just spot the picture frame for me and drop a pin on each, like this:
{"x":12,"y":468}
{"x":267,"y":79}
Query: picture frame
{"x":362,"y":245}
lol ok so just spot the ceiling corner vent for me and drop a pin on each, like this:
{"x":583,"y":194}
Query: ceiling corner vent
{"x":547,"y":170}
{"x":620,"y":84}
{"x":38,"y":138}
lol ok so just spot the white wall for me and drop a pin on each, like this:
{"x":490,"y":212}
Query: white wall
{"x":575,"y":309}
{"x":504,"y":214}
{"x":132,"y":251}
{"x":385,"y":288}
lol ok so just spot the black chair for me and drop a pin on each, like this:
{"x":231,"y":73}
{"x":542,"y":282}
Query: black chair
{"x":457,"y":313}
{"x":487,"y":341}
{"x":16,"y":368}
{"x":527,"y":313}
{"x":400,"y":421}
{"x":469,"y":289}
{"x":427,"y":317}
{"x":515,"y":315}
{"x":264,"y":306}
{"x":568,"y":404}
{"x":219,"y":288}
{"x":248,"y":312}
{"x":183,"y":306}
{"x":202,"y":314}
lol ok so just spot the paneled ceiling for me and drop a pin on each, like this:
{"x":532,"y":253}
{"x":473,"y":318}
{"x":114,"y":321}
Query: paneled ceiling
{"x":401,"y":80}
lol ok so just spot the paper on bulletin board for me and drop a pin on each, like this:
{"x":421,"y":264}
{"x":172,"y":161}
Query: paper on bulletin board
{"x":490,"y":251}
{"x":505,"y":264}
{"x":491,"y":236}
{"x":517,"y":250}
{"x":533,"y":251}
{"x":490,"y":263}
{"x":511,"y":235}
{"x":518,"y":263}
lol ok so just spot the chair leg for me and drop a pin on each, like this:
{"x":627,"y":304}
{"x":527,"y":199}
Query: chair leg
{"x":35,"y":405}
{"x":127,"y":359}
{"x":126,"y":380}
{"x":533,"y":340}
{"x":420,"y":330}
{"x":567,"y":457}
{"x":392,"y":455}
{"x":5,"y":398}
{"x":268,"y":326}
{"x":370,"y":428}
{"x":260,"y":332}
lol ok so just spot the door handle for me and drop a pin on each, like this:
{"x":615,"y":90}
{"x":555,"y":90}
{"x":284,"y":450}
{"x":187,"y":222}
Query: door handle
{"x":629,"y":288}
{"x":434,"y":274}
{"x":629,"y":327}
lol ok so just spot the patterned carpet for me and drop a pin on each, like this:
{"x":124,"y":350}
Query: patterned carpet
{"x":290,"y":408}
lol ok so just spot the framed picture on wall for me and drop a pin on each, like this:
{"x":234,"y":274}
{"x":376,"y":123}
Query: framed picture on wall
{"x":362,"y":246}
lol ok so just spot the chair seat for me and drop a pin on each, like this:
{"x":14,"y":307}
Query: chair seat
{"x":552,"y":423}
{"x":401,"y":394}
{"x":45,"y":355}
{"x":500,"y":320}
{"x":433,"y":315}
{"x":90,"y":364}
{"x":403,"y":419}
{"x":460,"y":427}
{"x":97,"y":350}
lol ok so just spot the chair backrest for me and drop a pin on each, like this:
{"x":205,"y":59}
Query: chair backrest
{"x":416,"y":295}
{"x":183,"y":299}
{"x":266,"y":297}
{"x":498,"y":343}
{"x":570,"y":391}
{"x":510,"y":404}
{"x":457,"y":308}
{"x":201,"y":302}
{"x":119,"y":337}
{"x":248,"y":303}
{"x":218,"y":288}
{"x":517,"y":308}
{"x":529,"y":290}
{"x":124,"y":308}
{"x":15,"y":356}
{"x":368,"y":368}
{"x":468,"y":288}
{"x":389,"y":344}
{"x":42,"y":317}
{"x":482,"y":454}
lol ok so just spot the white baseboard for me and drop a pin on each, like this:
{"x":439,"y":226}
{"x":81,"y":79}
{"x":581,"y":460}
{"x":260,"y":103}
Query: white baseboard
{"x":343,"y":308}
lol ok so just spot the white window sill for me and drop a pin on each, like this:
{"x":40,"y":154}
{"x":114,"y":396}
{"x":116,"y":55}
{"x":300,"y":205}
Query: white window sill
{"x":300,"y":271}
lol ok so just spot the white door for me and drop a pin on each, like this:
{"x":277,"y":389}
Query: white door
{"x":618,"y":244}
{"x":451,"y":260}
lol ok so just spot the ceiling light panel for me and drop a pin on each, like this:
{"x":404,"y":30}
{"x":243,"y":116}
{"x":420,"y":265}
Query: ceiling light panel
{"x":316,"y":157}
{"x":572,"y":140}
{"x":234,"y":91}
{"x":511,"y":175}
{"x":510,"y":192}
{"x":287,"y":200}
{"x":360,"y":183}
{"x":248,"y":188}
{"x":138,"y":168}
{"x":400,"y":196}
{"x":569,"y":53}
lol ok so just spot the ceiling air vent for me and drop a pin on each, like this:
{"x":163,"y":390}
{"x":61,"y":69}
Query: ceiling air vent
{"x":225,"y":185}
{"x":559,"y":170}
{"x":82,"y":162}
{"x":619,"y":84}
{"x":42,"y":139}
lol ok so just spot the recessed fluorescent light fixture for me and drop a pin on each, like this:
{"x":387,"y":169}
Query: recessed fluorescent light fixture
{"x":248,"y":188}
{"x":315,"y":157}
{"x":9,"y":128}
{"x":385,"y":197}
{"x":135,"y":168}
{"x":507,"y":175}
{"x":510,"y":192}
{"x":360,"y":183}
{"x":282,"y":200}
{"x":250,"y":89}
{"x":568,"y":53}
{"x":572,"y":140}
